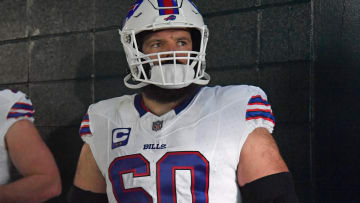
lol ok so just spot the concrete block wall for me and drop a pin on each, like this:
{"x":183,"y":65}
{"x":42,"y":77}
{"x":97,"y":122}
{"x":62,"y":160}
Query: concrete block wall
{"x":66,"y":55}
{"x":268,"y":44}
{"x":337,"y":130}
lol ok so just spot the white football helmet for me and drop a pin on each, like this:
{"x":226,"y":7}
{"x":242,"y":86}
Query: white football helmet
{"x":152,"y":15}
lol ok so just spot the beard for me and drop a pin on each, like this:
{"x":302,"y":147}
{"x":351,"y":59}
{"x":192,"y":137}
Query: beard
{"x":164,"y":96}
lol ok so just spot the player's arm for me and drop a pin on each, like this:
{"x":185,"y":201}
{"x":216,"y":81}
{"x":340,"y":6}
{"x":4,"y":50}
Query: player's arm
{"x":32,"y":158}
{"x":89,"y":183}
{"x":262,"y":173}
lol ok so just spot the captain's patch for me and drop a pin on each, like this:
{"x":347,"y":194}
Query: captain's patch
{"x":120,"y":137}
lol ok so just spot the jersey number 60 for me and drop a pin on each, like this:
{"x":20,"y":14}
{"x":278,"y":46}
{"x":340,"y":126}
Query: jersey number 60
{"x":165,"y":177}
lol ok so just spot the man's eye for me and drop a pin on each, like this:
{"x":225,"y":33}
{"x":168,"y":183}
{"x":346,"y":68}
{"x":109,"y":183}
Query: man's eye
{"x":155,"y":45}
{"x":182,"y":43}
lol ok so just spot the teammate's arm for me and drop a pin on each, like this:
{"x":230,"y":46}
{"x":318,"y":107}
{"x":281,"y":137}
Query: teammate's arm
{"x":34,"y":161}
{"x":262,"y":173}
{"x":89,"y":183}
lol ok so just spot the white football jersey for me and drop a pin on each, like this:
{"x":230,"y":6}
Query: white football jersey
{"x":14,"y":106}
{"x":189,"y":154}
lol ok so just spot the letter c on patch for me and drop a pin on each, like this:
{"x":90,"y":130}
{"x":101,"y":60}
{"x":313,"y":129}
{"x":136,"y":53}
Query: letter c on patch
{"x":120,"y":137}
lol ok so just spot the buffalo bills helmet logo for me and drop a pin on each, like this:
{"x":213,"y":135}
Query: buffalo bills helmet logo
{"x":172,"y":17}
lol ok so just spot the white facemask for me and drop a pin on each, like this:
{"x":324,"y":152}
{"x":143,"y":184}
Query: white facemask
{"x":171,"y":74}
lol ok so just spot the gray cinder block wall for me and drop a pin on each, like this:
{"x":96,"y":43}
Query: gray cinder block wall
{"x":268,"y":44}
{"x":66,"y":55}
{"x":337,"y":90}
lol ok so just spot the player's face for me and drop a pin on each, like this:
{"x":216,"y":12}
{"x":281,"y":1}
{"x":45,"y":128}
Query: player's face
{"x":168,"y":40}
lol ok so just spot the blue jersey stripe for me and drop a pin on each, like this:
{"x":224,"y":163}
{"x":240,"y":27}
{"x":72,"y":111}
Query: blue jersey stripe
{"x":85,"y":130}
{"x":17,"y":115}
{"x":23,"y":106}
{"x":138,"y":106}
{"x":255,"y":114}
{"x":186,"y":102}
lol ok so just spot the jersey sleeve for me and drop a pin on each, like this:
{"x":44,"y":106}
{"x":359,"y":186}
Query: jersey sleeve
{"x":84,"y":131}
{"x":14,"y":106}
{"x":21,"y":108}
{"x":258,"y":111}
{"x":91,"y":132}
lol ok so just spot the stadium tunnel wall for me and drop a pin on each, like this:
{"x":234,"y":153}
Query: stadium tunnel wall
{"x":67,"y":55}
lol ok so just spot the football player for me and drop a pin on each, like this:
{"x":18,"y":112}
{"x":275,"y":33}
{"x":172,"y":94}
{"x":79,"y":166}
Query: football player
{"x":21,"y":144}
{"x":178,"y":140}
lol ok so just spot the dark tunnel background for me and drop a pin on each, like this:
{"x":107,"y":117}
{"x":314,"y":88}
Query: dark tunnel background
{"x":337,"y":90}
{"x":305,"y":54}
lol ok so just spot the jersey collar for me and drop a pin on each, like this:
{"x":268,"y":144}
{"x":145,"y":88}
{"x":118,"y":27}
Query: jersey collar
{"x":142,"y":109}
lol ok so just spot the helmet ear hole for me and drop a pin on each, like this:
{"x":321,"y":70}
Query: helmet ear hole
{"x":140,"y":38}
{"x":196,"y":38}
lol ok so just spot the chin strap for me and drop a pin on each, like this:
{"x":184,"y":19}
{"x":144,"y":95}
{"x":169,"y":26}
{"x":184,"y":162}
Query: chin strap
{"x":133,"y":86}
{"x":203,"y":81}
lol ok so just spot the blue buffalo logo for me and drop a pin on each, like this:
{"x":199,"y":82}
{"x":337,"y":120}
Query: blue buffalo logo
{"x":172,"y":17}
{"x":133,"y":8}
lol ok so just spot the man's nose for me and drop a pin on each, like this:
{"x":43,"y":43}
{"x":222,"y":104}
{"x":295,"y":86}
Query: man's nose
{"x":171,"y":46}
{"x":168,"y":48}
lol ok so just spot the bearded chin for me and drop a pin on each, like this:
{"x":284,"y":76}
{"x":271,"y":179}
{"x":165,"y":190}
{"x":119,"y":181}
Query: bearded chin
{"x":163,"y":96}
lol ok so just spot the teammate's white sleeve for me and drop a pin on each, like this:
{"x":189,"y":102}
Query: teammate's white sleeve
{"x":258,"y":111}
{"x":14,"y":106}
{"x":85,"y":132}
